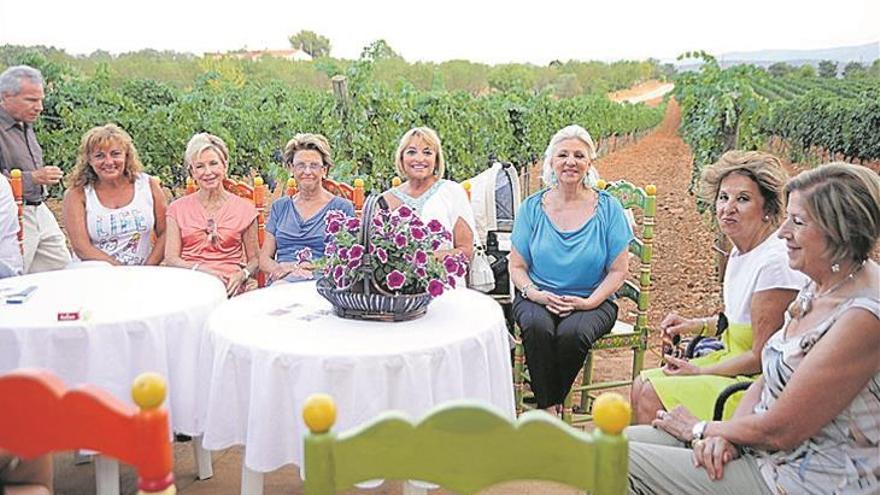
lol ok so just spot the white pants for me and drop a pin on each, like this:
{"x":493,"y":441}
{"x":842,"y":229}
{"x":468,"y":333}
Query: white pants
{"x":45,"y":247}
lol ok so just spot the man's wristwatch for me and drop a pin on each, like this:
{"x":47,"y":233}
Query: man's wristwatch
{"x":525,"y":290}
{"x":698,"y":432}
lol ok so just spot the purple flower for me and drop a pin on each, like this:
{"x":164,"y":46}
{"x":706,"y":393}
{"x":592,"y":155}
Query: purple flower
{"x":356,"y":252}
{"x":354,"y":263}
{"x":330,"y":249}
{"x":304,"y":254}
{"x":353,"y":225}
{"x":450,"y":280}
{"x":435,"y":226}
{"x":404,"y":211}
{"x":395,"y":280}
{"x":417,"y":233}
{"x":336,"y":215}
{"x":421,"y":272}
{"x":462,"y":269}
{"x":420,"y":257}
{"x":435,"y":287}
{"x":435,"y":244}
{"x":382,"y":255}
{"x":451,"y":265}
{"x":334,"y":226}
{"x":338,"y":273}
{"x":417,"y":222}
{"x":400,"y":240}
{"x":343,"y":254}
{"x":378,"y":222}
{"x":447,"y":235}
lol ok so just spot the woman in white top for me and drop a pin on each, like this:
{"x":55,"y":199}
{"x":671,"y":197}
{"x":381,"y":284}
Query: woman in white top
{"x":112,"y":208}
{"x":10,"y":253}
{"x":419,"y":158}
{"x":746,"y":188}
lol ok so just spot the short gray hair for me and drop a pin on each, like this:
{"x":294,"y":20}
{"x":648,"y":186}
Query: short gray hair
{"x":569,"y":132}
{"x":10,"y":79}
{"x":202,"y":142}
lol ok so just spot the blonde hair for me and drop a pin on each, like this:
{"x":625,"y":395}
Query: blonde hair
{"x":307,"y":141}
{"x":762,"y":168}
{"x":97,"y":137}
{"x":431,"y":139}
{"x":844,"y":201}
{"x":548,"y":176}
{"x":202,"y":142}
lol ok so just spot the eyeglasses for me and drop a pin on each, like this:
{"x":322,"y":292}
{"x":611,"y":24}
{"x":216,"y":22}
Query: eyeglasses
{"x":211,"y":232}
{"x":311,"y":167}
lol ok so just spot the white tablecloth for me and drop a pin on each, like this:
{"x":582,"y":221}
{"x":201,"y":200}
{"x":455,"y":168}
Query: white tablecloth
{"x":274,"y":347}
{"x":132,"y":319}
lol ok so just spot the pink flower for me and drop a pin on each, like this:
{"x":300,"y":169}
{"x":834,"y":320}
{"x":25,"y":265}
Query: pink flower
{"x":417,"y":233}
{"x":421,"y":272}
{"x":421,"y":257}
{"x":435,"y":244}
{"x":356,"y":252}
{"x":451,"y":265}
{"x":334,"y":226}
{"x":378,"y":222}
{"x":417,"y":222}
{"x":354,"y":263}
{"x":435,"y":287}
{"x":404,"y":211}
{"x":395,"y":280}
{"x":435,"y":227}
{"x":338,"y":273}
{"x":304,"y":254}
{"x":353,"y":225}
{"x":343,"y":254}
{"x":334,"y":215}
{"x":382,"y":255}
{"x":450,"y":280}
{"x":400,"y":241}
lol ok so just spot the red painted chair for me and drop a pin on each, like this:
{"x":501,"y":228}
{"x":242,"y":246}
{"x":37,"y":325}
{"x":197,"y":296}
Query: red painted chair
{"x":40,"y":416}
{"x":356,"y":194}
{"x":18,"y":194}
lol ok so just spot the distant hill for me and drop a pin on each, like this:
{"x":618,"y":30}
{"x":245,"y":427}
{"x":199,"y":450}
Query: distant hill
{"x":866,"y":54}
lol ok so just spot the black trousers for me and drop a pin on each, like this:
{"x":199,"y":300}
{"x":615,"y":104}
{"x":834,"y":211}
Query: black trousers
{"x":557,"y":347}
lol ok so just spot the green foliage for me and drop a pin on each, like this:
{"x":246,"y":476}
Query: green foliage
{"x":828,"y":69}
{"x":256,"y":117}
{"x":854,"y":70}
{"x":780,"y":69}
{"x":311,"y":42}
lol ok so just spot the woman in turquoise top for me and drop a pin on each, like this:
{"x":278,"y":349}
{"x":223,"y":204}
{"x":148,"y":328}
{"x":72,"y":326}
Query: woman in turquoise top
{"x":296,"y":231}
{"x":568,"y":259}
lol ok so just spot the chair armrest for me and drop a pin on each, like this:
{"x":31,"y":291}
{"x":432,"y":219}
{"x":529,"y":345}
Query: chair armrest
{"x":724,"y":395}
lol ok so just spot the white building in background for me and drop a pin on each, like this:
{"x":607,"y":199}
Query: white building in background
{"x":291,"y":54}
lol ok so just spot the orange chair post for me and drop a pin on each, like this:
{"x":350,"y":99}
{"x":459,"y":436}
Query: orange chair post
{"x":18,"y":194}
{"x":291,"y":187}
{"x":358,"y":194}
{"x":260,"y":192}
{"x":190,"y":185}
{"x":39,"y":416}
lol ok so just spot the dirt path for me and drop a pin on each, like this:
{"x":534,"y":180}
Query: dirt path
{"x":649,"y":92}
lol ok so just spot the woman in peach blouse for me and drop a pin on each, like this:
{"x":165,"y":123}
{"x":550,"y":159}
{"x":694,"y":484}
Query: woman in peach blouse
{"x":212,"y":230}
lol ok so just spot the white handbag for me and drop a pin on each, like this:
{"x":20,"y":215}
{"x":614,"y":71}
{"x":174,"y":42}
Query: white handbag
{"x":480,"y":275}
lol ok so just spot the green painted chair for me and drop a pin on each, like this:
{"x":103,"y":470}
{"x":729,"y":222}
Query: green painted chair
{"x":464,"y":447}
{"x":623,"y":335}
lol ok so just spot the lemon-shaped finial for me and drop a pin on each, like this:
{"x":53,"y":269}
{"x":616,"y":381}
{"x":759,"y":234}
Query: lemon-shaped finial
{"x":395,"y":181}
{"x":466,"y":185}
{"x":359,"y":182}
{"x":319,"y":413}
{"x":258,"y":181}
{"x":291,"y":182}
{"x":601,"y":184}
{"x":15,"y":173}
{"x":611,"y":413}
{"x":651,"y":189}
{"x":148,"y":390}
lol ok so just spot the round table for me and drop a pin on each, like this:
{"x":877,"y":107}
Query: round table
{"x":274,"y":347}
{"x":130,"y":320}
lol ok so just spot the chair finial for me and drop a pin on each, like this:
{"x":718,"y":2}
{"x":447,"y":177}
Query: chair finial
{"x":601,"y":184}
{"x":395,"y":181}
{"x":319,"y":413}
{"x":258,"y":181}
{"x":611,"y":413}
{"x":651,"y":189}
{"x":148,"y":390}
{"x":359,"y":182}
{"x":15,"y":173}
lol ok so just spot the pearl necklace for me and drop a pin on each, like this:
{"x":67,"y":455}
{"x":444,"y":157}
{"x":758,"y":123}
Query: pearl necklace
{"x":804,"y":302}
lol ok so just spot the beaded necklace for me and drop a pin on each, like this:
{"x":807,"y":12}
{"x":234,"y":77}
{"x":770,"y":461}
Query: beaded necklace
{"x":804,"y":302}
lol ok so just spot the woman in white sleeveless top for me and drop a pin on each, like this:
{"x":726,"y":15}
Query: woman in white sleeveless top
{"x":114,"y":212}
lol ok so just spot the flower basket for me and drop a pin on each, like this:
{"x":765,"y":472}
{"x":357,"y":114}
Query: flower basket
{"x":364,"y":282}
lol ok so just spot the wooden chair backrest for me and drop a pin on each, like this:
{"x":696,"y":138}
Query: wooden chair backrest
{"x":18,"y":195}
{"x":39,"y":416}
{"x":642,"y":246}
{"x":463,"y":447}
{"x":257,"y":194}
{"x":356,"y":193}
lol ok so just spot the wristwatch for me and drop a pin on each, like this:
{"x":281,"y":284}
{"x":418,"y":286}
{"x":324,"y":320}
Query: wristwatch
{"x":698,"y":432}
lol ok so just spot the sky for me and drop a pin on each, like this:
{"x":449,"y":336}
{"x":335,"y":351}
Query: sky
{"x":488,"y":31}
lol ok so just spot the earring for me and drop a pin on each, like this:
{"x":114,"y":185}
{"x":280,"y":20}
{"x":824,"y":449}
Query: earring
{"x":766,"y":218}
{"x":553,"y":179}
{"x":835,"y":267}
